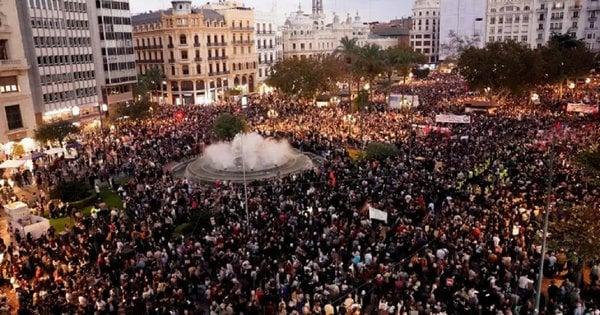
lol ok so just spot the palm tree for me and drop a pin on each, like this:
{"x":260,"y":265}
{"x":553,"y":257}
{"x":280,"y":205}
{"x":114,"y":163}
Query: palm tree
{"x":406,"y":59}
{"x":349,"y":52}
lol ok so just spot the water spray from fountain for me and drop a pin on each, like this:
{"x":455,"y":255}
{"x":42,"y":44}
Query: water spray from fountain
{"x":259,"y":153}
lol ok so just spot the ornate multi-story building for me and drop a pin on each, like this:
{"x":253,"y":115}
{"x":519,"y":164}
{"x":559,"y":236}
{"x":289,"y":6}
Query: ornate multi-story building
{"x":533,"y":22}
{"x":202,"y":51}
{"x":308,"y":35}
{"x":114,"y":58}
{"x":17,"y":118}
{"x":425,"y":32}
{"x":58,"y":46}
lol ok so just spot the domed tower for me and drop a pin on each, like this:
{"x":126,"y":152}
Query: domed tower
{"x":181,"y":7}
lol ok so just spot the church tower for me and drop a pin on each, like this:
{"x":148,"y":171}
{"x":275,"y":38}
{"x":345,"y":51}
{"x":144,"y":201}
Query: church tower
{"x":317,"y":7}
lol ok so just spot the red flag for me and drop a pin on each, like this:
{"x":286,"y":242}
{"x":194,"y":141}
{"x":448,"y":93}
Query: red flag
{"x":332,"y":179}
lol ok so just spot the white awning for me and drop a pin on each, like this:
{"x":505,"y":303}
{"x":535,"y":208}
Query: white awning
{"x":11,"y":164}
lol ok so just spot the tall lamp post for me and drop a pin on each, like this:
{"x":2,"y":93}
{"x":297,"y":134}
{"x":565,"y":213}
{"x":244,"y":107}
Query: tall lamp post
{"x":366,"y":89}
{"x":75,"y":111}
{"x":103,"y":112}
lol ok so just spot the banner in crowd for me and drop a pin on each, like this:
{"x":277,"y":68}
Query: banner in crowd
{"x":376,"y":214}
{"x":403,"y":101}
{"x":452,"y":119}
{"x":582,"y":108}
{"x":425,"y":130}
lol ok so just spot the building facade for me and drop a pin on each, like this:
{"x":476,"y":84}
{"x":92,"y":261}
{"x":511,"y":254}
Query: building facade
{"x":462,"y":20}
{"x":58,"y":48}
{"x":533,"y":22}
{"x":308,"y":35}
{"x":114,"y":58}
{"x":425,"y":31}
{"x":17,"y":115}
{"x":398,"y":29}
{"x":266,"y":45}
{"x":202,"y":51}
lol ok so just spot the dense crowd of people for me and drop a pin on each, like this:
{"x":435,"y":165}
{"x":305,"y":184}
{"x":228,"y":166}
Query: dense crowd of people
{"x":464,"y":215}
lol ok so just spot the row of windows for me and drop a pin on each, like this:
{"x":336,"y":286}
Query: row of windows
{"x":507,"y":38}
{"x":509,"y":19}
{"x":266,"y":60}
{"x":115,"y":5}
{"x":114,"y":20}
{"x":119,"y":66}
{"x":264,"y":28}
{"x":264,"y":44}
{"x":75,"y":7}
{"x":48,"y":23}
{"x":214,"y":68}
{"x":69,"y":95}
{"x":9,"y":84}
{"x":44,"y":4}
{"x":44,"y":41}
{"x":67,"y":77}
{"x":63,"y":60}
{"x":118,"y":51}
{"x":121,"y":79}
{"x":115,"y":35}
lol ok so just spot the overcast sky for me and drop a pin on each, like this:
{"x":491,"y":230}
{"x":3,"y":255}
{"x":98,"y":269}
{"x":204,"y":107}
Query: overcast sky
{"x":370,"y":10}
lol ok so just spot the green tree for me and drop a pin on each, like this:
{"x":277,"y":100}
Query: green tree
{"x":306,"y":77}
{"x":381,"y":151}
{"x":56,"y":131}
{"x":507,"y":68}
{"x":140,"y":109}
{"x":565,"y":57}
{"x":398,"y":60}
{"x":349,"y":52}
{"x":226,"y":126}
{"x":577,"y":232}
{"x":148,"y":82}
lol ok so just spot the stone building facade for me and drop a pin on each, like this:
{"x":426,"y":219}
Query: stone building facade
{"x":202,"y":51}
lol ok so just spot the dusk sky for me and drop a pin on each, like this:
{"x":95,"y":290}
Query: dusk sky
{"x":370,"y":10}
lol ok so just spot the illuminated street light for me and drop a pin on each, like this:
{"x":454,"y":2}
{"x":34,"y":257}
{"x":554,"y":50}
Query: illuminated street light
{"x":104,"y":108}
{"x":75,"y":111}
{"x":588,"y":80}
{"x":571,"y":85}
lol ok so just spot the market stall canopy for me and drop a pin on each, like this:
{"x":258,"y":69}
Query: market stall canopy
{"x":11,"y":164}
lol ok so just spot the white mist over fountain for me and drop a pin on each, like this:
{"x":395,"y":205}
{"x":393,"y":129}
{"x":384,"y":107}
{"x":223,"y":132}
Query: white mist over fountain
{"x":264,"y":158}
{"x":258,"y":153}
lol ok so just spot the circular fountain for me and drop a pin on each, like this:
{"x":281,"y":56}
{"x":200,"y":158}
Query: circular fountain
{"x":248,"y":156}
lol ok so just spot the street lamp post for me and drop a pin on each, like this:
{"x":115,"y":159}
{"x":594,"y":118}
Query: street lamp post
{"x":162,"y":91}
{"x":103,"y":111}
{"x":366,"y":88}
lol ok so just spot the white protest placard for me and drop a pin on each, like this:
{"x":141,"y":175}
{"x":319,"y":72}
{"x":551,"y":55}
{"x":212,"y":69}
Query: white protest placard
{"x":452,"y":119}
{"x":582,"y":108}
{"x":403,"y":101}
{"x":376,"y":214}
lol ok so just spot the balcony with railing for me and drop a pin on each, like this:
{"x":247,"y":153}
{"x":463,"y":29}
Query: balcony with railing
{"x":216,"y":44}
{"x":215,"y":73}
{"x":242,"y":28}
{"x":217,"y":58}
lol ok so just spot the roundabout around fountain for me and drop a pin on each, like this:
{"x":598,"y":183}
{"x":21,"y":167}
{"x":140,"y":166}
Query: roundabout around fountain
{"x":248,"y":157}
